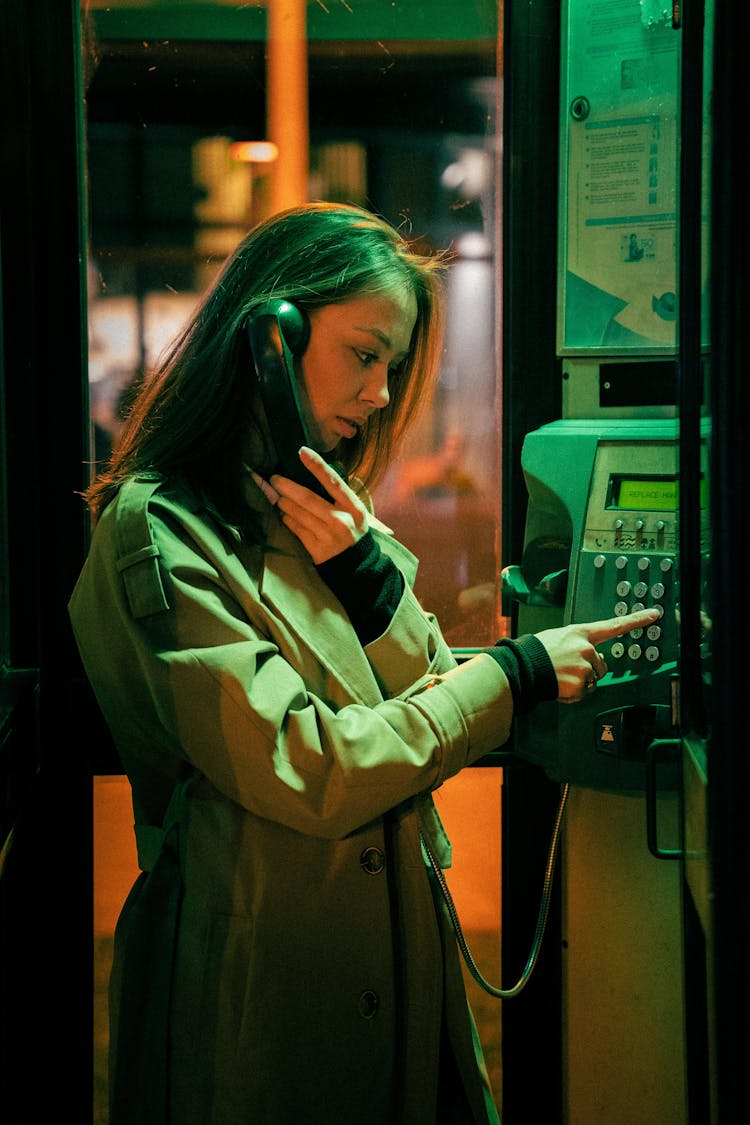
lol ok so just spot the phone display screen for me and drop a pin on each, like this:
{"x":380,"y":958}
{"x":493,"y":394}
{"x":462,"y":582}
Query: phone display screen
{"x":648,"y":493}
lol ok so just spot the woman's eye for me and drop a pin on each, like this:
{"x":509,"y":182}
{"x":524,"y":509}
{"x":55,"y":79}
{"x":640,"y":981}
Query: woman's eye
{"x":366,"y":358}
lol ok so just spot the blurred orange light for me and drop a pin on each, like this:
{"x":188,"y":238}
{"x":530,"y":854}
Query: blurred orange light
{"x":254,"y":152}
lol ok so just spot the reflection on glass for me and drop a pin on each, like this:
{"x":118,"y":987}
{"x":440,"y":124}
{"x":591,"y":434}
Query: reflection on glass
{"x":441,"y":495}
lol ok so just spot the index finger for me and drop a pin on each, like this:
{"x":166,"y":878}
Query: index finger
{"x":599,"y":631}
{"x":299,"y":490}
{"x":331,"y":480}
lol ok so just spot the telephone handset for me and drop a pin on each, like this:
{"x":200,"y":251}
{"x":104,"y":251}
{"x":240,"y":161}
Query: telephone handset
{"x":278,"y":331}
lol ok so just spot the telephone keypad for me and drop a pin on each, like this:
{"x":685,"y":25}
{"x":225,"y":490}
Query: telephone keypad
{"x":617,"y":584}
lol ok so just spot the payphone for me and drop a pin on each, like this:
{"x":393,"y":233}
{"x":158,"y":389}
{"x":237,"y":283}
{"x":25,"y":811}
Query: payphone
{"x":601,"y":540}
{"x":606,"y":520}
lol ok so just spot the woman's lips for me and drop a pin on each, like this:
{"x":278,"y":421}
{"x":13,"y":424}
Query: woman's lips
{"x":347,"y":427}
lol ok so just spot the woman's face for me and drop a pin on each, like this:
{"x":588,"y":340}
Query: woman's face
{"x":353,"y":347}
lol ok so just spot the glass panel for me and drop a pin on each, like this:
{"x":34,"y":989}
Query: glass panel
{"x":696,"y":686}
{"x":402,"y":105}
{"x":706,"y":608}
{"x":172,"y":190}
{"x":618,"y":226}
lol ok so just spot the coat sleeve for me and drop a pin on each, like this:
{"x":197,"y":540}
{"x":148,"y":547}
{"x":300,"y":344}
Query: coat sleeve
{"x":179,"y":664}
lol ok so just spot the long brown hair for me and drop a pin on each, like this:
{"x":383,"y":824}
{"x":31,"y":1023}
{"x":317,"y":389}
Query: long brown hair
{"x":192,"y":416}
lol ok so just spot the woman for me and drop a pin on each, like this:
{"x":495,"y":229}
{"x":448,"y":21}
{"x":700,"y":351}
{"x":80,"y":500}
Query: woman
{"x":284,"y":708}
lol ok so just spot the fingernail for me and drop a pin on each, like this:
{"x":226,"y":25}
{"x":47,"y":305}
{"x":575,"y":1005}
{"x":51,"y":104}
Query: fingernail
{"x":267,"y":489}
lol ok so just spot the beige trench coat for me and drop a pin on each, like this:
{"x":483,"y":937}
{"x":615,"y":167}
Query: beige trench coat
{"x":281,"y":959}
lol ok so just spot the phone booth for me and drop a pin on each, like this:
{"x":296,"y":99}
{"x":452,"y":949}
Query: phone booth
{"x":624,"y":479}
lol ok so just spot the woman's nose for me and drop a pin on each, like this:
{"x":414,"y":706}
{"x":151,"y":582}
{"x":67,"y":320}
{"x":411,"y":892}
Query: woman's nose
{"x":375,"y":391}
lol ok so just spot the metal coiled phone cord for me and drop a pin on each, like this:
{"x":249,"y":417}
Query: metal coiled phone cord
{"x":506,"y":993}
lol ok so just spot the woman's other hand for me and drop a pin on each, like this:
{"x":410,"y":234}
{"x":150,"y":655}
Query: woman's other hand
{"x":325,"y":528}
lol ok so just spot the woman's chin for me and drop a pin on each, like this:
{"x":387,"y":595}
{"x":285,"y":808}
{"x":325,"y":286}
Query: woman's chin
{"x":326,"y":446}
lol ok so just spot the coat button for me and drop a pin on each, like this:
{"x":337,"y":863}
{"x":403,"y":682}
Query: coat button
{"x":368,"y":1004}
{"x":372,"y":861}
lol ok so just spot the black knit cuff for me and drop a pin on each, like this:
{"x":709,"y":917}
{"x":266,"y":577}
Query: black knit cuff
{"x":529,"y":669}
{"x":368,"y":584}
